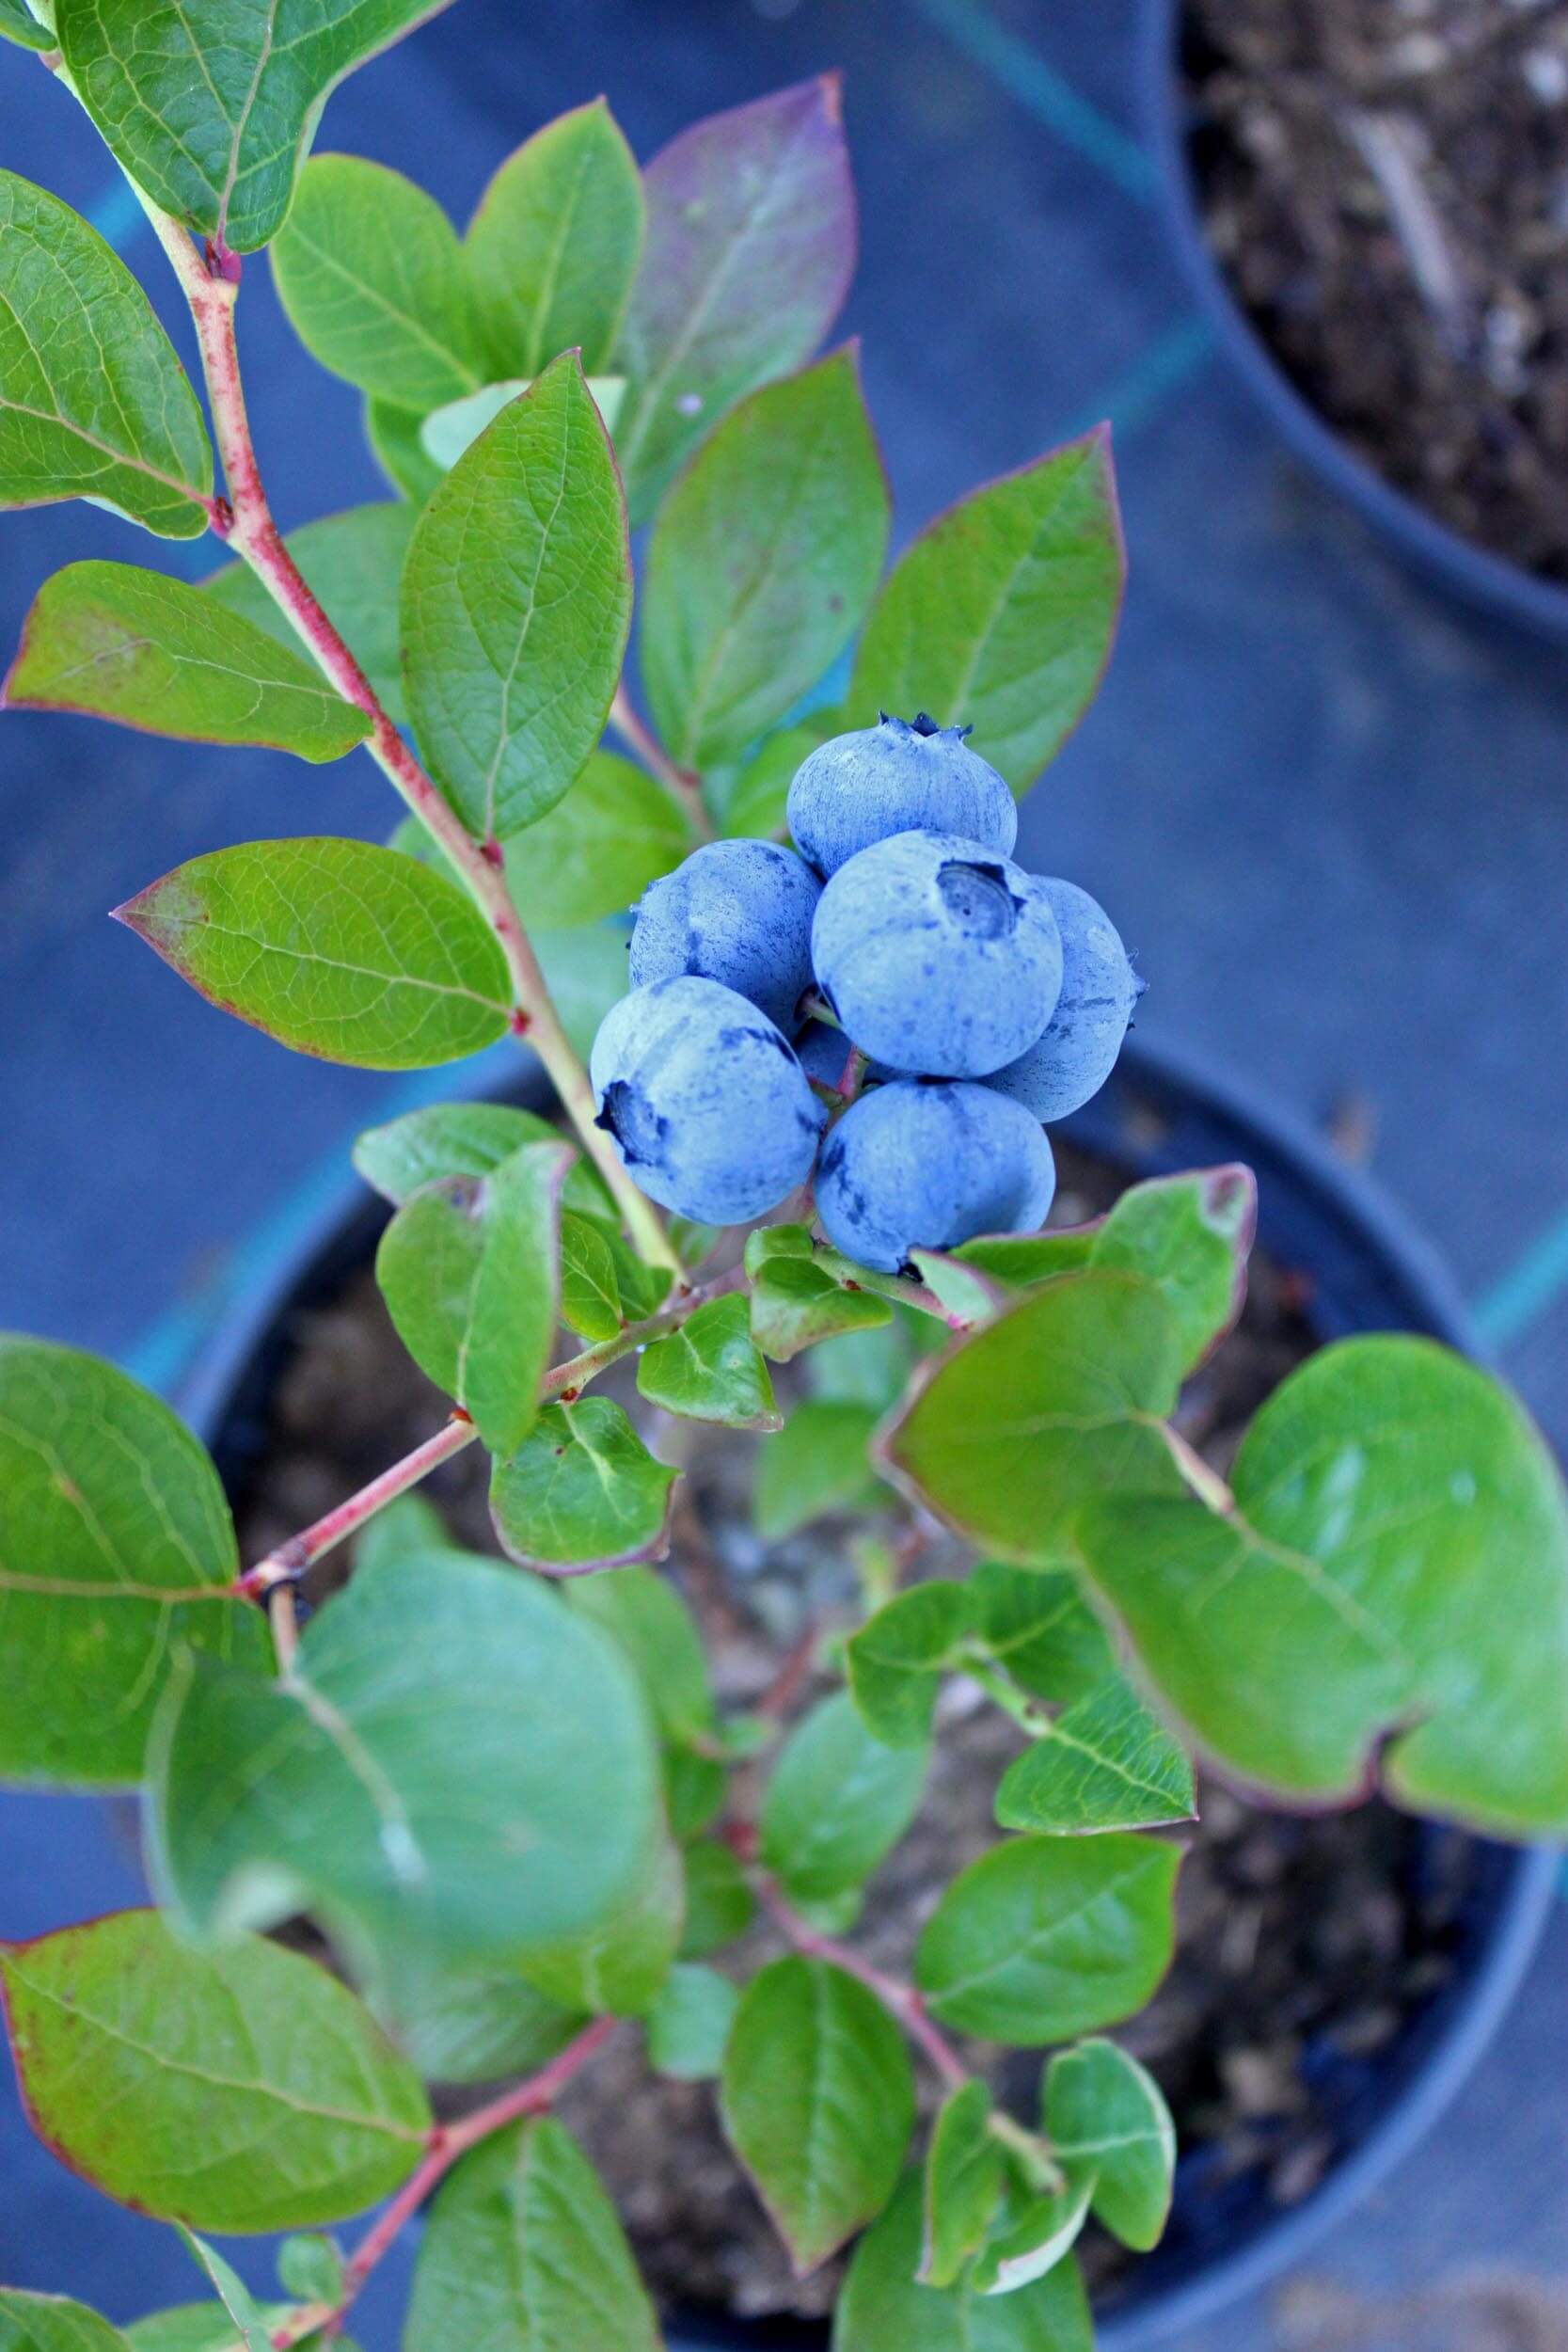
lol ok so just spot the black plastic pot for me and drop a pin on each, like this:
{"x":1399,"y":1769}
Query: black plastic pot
{"x":1367,"y":1272}
{"x":1472,"y":572}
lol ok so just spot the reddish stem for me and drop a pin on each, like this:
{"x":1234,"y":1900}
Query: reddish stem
{"x":681,"y":786}
{"x":448,"y":2141}
{"x":246,"y":522}
{"x":901,"y":2001}
{"x":291,"y":1559}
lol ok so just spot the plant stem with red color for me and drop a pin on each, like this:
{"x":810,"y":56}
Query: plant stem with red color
{"x":681,"y":785}
{"x":244,"y":522}
{"x":902,"y":2002}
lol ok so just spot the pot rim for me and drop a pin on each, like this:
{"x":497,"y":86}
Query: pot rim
{"x":1340,"y":1197}
{"x":1475,"y":573}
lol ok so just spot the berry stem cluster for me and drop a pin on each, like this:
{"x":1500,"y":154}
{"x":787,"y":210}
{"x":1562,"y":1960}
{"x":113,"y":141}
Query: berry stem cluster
{"x":245,"y":522}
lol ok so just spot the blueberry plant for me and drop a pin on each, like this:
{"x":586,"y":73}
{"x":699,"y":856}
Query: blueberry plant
{"x":506,"y":1792}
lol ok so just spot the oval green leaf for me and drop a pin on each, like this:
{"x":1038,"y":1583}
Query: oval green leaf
{"x":1044,"y":1938}
{"x":371,"y":274}
{"x":50,"y":2323}
{"x":516,"y":601}
{"x":117,"y":1552}
{"x":553,"y":248}
{"x":817,"y":2101}
{"x":211,"y":108}
{"x":1109,"y":2126}
{"x":581,"y":1492}
{"x":1002,"y":615}
{"x":94,"y":403}
{"x":763,"y":562}
{"x":751,"y":247}
{"x":837,"y":1801}
{"x":342,"y":1790}
{"x":336,"y":948}
{"x":244,"y":2089}
{"x":130,"y":646}
{"x":523,"y":2252}
{"x":1104,"y":1763}
{"x":883,"y":2308}
{"x":709,"y":1370}
{"x":1396,"y":1563}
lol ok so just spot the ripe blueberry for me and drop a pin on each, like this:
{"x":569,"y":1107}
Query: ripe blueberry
{"x":704,"y":1101}
{"x":736,"y":911}
{"x":923,"y":1164}
{"x":1077,"y":1050}
{"x":896,"y":778}
{"x":823,"y":1052}
{"x":938,"y":957}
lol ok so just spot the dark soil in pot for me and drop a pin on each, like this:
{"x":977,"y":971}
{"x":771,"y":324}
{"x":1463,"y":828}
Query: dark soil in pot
{"x":1385,"y":184}
{"x":1308,"y":1947}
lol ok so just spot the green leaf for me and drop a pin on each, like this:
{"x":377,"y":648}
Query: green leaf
{"x":590,"y":1293}
{"x":816,"y":1464}
{"x":246,"y":2090}
{"x":582,"y":1491}
{"x":351,"y":562}
{"x":1397,"y":1522}
{"x":410,"y":1522}
{"x":1001,"y":614}
{"x":618,"y":1967}
{"x":1109,"y":2126}
{"x":1061,"y":1399}
{"x":1105,"y":1763}
{"x":719,"y":1903}
{"x":344,"y":1791}
{"x":597,"y":850}
{"x":762,"y":563}
{"x":523,"y":2252}
{"x":465,"y":1140}
{"x":817,"y":2101}
{"x":963,"y":2184}
{"x":474,"y":2023}
{"x":794,"y":1302}
{"x":50,"y":2323}
{"x":1033,"y":2235}
{"x":468,"y":1269}
{"x":750,"y":245}
{"x":553,"y":248}
{"x":121,"y":644}
{"x":371,"y":274}
{"x":1039,"y":1629}
{"x":710,"y":1371}
{"x":517,"y":600}
{"x":94,"y":403}
{"x":1190,"y":1234}
{"x":837,"y":1801}
{"x":311,"y":2267}
{"x":211,"y":108}
{"x":251,"y":2328}
{"x":19,"y":24}
{"x":644,"y":1614}
{"x":689,"y":2022}
{"x":897,"y":1659}
{"x":397,"y":444}
{"x":1043,"y":1938}
{"x":117,"y":1552}
{"x":883,"y":2308}
{"x":336,"y":948}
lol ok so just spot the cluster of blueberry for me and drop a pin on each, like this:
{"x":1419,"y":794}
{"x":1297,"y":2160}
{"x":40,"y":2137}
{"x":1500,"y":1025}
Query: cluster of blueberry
{"x":984,"y":1000}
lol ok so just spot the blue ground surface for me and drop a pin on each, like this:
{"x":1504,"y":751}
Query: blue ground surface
{"x":1328,"y":807}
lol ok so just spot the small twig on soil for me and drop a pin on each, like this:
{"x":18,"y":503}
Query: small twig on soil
{"x":1388,"y":145}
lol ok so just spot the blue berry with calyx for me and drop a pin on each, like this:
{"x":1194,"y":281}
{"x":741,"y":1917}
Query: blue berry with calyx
{"x":926,"y":1165}
{"x":899,"y":776}
{"x":736,"y":911}
{"x":938,"y":957}
{"x":1077,"y":1050}
{"x":704,"y":1101}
